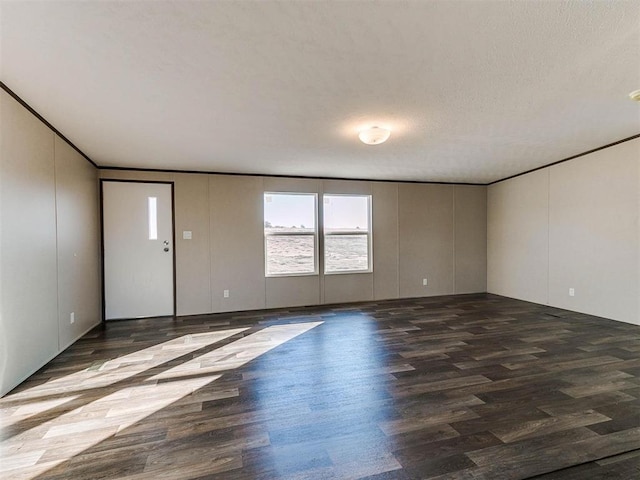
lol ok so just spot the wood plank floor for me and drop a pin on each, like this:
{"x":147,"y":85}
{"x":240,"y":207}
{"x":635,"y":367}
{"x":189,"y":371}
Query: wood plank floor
{"x":456,"y":387}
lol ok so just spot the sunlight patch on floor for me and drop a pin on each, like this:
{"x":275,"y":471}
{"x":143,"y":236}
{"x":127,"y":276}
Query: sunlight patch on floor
{"x":55,"y":393}
{"x":36,"y":450}
{"x":121,"y":368}
{"x":238,"y":353}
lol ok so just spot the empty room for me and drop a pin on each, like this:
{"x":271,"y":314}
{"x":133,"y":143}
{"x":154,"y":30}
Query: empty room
{"x":312,"y":240}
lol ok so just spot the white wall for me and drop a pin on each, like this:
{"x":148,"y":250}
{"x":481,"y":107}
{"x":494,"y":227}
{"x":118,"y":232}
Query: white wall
{"x":49,"y":247}
{"x":573,"y":225}
{"x":413,"y":224}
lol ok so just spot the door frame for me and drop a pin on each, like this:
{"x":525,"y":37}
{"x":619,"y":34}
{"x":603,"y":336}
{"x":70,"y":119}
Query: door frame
{"x":173,"y":233}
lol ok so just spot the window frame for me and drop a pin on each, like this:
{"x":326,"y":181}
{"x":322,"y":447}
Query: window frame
{"x":314,"y":234}
{"x":368,"y":233}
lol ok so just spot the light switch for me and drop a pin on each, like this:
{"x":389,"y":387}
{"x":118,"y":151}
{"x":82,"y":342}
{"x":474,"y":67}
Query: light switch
{"x":186,"y":235}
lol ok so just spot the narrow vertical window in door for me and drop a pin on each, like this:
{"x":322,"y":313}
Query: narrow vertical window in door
{"x":153,"y":218}
{"x":138,"y":249}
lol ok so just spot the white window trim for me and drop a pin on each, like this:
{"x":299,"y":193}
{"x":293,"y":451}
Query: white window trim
{"x":314,"y":234}
{"x":368,"y":233}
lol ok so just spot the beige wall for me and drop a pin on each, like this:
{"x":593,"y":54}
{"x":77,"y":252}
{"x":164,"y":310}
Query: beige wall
{"x":470,"y":260}
{"x":426,"y":246}
{"x":442,"y":237}
{"x":237,"y":251}
{"x":78,"y":244}
{"x":225,"y":214}
{"x":572,"y":225}
{"x":49,"y":247}
{"x":386,"y":269}
{"x":518,"y":237}
{"x":192,"y":213}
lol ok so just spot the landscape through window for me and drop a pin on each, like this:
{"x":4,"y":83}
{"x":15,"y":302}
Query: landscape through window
{"x":290,"y":233}
{"x":347,"y":233}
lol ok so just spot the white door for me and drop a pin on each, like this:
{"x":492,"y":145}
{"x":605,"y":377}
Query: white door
{"x":138,"y":249}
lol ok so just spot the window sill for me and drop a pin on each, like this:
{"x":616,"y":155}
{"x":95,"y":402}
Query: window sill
{"x":287,"y":275}
{"x":349,"y":272}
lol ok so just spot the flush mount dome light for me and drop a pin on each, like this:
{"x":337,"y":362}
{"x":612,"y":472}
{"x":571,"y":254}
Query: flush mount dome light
{"x":374,"y":135}
{"x":635,"y":95}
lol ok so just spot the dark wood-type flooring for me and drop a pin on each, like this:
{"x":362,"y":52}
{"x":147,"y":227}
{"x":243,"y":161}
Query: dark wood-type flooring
{"x":456,"y":387}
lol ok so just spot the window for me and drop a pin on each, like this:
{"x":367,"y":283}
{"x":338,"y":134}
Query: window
{"x":347,"y":233}
{"x":290,"y":234}
{"x":153,"y":218}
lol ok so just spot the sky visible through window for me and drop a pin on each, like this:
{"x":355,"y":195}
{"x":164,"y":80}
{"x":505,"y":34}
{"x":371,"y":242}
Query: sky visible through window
{"x":283,"y":210}
{"x":292,"y":210}
{"x":346,"y":212}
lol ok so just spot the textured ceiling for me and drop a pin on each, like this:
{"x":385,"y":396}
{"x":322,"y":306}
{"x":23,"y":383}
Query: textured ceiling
{"x":473,"y":91}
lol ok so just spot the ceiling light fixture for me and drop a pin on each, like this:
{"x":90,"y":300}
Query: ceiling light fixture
{"x":374,"y":135}
{"x":635,"y":95}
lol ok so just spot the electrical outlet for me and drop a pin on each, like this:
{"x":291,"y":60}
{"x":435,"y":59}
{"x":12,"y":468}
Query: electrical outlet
{"x":425,"y":282}
{"x":225,"y":293}
{"x":572,"y":292}
{"x":72,"y":318}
